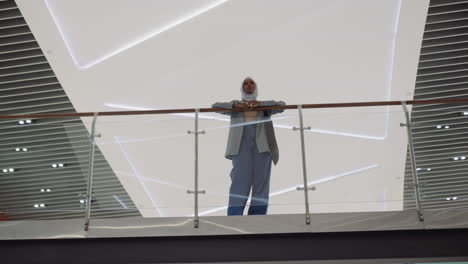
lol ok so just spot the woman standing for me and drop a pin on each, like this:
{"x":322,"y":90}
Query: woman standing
{"x":252,"y":147}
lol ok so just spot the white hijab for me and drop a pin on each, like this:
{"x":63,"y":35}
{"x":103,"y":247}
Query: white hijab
{"x":249,"y":97}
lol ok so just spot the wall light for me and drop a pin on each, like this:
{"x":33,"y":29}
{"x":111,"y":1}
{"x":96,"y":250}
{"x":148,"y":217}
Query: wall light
{"x":55,"y":165}
{"x":25,"y":122}
{"x":419,"y":169}
{"x":21,"y":149}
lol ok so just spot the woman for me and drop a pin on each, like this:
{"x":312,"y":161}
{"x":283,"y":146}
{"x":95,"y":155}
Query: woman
{"x":252,"y":148}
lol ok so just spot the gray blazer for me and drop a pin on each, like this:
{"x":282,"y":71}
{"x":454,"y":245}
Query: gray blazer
{"x":265,"y":134}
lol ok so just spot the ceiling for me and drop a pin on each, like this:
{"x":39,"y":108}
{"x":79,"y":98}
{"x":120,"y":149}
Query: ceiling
{"x":191,"y":55}
{"x":28,"y":85}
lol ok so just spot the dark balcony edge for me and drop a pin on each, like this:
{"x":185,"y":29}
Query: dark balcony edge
{"x":405,"y":244}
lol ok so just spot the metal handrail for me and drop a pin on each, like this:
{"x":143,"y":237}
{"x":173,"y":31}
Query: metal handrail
{"x":205,"y":110}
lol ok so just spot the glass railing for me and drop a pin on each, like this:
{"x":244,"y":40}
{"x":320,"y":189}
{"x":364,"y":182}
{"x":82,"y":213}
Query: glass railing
{"x":116,"y":172}
{"x":440,"y":145}
{"x":44,"y":163}
{"x":356,"y":158}
{"x":228,"y":181}
{"x":155,"y":161}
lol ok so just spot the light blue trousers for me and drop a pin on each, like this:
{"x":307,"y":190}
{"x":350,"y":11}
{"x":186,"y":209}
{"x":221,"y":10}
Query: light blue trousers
{"x":250,"y":171}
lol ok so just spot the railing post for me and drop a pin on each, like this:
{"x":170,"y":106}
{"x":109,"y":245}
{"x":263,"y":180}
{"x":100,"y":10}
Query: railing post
{"x":413,"y":161}
{"x":196,"y":191}
{"x":306,"y":188}
{"x":89,"y":189}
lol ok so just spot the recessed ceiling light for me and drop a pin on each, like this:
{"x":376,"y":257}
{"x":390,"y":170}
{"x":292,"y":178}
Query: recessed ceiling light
{"x":21,"y":149}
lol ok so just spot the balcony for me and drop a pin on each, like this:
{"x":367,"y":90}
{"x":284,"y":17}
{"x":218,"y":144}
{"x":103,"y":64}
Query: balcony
{"x":381,"y":181}
{"x":356,"y":160}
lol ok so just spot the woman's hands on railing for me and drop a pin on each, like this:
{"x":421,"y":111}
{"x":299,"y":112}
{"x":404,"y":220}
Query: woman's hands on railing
{"x":247,"y":106}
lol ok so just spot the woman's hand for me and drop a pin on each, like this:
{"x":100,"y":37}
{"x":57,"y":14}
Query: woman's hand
{"x":243,"y":106}
{"x":247,"y":106}
{"x":253,"y":104}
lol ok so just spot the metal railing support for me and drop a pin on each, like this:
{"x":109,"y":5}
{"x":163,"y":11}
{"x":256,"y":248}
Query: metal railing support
{"x":89,"y":189}
{"x":196,"y":191}
{"x":414,"y":171}
{"x":305,"y":188}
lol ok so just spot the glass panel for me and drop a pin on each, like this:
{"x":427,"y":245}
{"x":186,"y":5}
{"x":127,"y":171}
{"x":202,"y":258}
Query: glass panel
{"x":356,"y":159}
{"x":218,"y":175}
{"x":440,"y":145}
{"x":288,"y":175}
{"x":143,"y":166}
{"x":44,"y":166}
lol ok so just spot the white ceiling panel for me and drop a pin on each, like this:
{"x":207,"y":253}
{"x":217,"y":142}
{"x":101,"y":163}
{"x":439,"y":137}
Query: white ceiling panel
{"x":118,"y":25}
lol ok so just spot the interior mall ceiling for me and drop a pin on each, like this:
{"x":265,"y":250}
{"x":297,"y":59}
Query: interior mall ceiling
{"x":161,"y":54}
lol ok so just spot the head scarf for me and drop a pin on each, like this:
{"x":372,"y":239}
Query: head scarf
{"x":246,"y":96}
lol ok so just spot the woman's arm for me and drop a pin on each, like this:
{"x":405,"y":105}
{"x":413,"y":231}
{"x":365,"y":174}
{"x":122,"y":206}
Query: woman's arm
{"x":224,"y":105}
{"x":230,"y":105}
{"x":273,"y":103}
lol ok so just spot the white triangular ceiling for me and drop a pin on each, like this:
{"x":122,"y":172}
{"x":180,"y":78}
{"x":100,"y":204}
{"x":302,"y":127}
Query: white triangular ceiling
{"x":122,"y":25}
